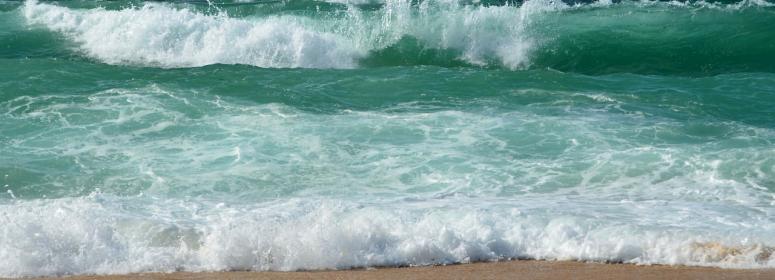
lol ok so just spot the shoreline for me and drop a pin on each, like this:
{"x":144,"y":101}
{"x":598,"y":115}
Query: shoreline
{"x":518,"y":269}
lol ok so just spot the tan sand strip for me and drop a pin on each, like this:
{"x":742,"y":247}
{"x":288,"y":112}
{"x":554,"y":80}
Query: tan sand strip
{"x":494,"y":270}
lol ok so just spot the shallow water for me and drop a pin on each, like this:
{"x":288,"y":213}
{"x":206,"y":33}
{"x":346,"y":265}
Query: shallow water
{"x":254,"y":135}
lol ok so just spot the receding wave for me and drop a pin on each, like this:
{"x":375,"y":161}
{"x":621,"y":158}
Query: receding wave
{"x":642,"y":37}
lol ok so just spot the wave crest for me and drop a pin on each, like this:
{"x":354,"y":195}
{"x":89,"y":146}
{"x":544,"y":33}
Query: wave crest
{"x":161,"y":35}
{"x":158,"y":35}
{"x":601,"y":37}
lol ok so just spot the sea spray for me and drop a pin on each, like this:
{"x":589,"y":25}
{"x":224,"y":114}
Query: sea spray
{"x":161,"y":36}
{"x":170,"y":37}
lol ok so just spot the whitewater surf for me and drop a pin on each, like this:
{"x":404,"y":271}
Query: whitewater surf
{"x":302,"y":135}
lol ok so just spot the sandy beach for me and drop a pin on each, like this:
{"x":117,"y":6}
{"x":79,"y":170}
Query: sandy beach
{"x":494,"y":270}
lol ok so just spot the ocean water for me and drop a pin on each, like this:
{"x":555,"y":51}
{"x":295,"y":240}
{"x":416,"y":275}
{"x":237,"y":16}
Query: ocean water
{"x":299,"y":135}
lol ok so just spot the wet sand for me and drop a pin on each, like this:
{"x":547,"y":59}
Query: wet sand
{"x":492,"y":270}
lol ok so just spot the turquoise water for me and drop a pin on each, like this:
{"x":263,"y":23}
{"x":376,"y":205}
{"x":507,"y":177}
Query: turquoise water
{"x":286,"y":135}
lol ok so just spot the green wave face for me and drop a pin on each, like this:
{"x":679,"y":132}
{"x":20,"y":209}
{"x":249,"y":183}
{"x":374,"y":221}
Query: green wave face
{"x":657,"y":38}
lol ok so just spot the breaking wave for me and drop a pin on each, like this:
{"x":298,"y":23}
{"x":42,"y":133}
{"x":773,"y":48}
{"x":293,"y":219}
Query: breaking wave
{"x":645,"y":37}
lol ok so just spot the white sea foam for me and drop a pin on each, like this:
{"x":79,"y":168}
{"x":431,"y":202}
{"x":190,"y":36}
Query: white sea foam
{"x":159,"y":35}
{"x":107,"y":235}
{"x":165,"y":36}
{"x":271,"y":187}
